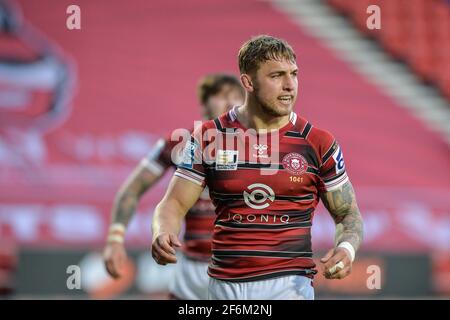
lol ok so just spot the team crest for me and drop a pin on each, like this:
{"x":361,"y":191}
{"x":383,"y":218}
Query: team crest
{"x":295,"y":163}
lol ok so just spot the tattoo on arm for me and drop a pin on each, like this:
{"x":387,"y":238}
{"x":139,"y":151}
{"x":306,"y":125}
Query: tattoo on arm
{"x":129,"y":194}
{"x":341,"y":204}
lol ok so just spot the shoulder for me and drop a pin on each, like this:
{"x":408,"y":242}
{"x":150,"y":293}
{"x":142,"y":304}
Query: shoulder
{"x":322,"y":140}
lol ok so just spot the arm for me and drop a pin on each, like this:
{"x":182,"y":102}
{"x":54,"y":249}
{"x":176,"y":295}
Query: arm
{"x":181,"y":195}
{"x":342,"y":206}
{"x":127,"y":198}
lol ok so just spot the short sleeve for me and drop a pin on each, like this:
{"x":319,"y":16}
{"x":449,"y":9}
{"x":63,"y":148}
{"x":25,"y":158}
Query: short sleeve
{"x":332,"y":169}
{"x":158,"y":159}
{"x":191,"y":166}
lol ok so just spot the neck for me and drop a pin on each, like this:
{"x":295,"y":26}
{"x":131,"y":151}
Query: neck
{"x":251,"y":115}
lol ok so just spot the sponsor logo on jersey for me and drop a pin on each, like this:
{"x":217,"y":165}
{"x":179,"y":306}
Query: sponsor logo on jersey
{"x":295,"y":163}
{"x":339,"y":159}
{"x":187,"y":159}
{"x":227,"y":159}
{"x":258,"y":218}
{"x":258,"y":196}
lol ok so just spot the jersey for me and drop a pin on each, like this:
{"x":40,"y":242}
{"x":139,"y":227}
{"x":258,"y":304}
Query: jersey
{"x":199,"y":221}
{"x":265,"y":189}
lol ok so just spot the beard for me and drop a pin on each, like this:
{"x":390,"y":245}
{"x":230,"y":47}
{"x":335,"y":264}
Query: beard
{"x":271,"y":108}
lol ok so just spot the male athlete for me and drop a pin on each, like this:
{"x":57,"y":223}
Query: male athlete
{"x":216,"y":93}
{"x":265,"y":191}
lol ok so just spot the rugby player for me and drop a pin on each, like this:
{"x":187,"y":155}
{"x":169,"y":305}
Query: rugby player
{"x":216,"y":93}
{"x":265,"y":191}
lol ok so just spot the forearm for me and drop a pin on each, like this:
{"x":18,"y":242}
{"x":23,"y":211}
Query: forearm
{"x":180,"y":196}
{"x":350,"y":229}
{"x":168,"y":217}
{"x":124,"y":207}
{"x":342,"y":205}
{"x":128,"y":197}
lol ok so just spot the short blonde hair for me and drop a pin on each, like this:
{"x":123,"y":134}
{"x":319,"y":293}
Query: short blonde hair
{"x":263,"y":48}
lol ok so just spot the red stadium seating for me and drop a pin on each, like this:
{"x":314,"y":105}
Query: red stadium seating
{"x":415,"y":31}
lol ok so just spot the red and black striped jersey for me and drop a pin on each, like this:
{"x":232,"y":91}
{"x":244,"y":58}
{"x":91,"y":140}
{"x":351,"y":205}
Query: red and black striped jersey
{"x":199,"y":221}
{"x":265,"y":187}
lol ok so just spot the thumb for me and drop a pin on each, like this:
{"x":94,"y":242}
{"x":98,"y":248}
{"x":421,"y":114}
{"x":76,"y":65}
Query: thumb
{"x":122,"y":259}
{"x":174,"y":240}
{"x":327,"y":256}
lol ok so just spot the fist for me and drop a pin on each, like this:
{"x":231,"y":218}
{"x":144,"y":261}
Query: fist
{"x":114,"y":257}
{"x":336,"y":263}
{"x":163,"y":248}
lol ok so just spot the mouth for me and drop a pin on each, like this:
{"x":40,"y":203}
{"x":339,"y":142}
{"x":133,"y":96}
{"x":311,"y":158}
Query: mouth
{"x":286,"y":99}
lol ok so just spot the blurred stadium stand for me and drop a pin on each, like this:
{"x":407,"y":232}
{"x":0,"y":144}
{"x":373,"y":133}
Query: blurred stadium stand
{"x":414,"y":31}
{"x":137,"y":66}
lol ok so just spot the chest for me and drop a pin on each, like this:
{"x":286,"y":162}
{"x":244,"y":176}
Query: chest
{"x":286,"y":168}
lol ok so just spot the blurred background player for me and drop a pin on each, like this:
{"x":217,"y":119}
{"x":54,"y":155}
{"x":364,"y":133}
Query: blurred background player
{"x":216,"y":93}
{"x":261,"y":247}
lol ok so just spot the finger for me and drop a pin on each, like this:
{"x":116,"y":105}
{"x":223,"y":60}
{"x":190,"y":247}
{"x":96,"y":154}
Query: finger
{"x":121,"y":259}
{"x":115,"y":267}
{"x":163,"y":253}
{"x":336,"y":275}
{"x":118,"y":263}
{"x":155,"y":255}
{"x":158,"y":259}
{"x":343,"y":264}
{"x":331,"y":263}
{"x":327,"y":256}
{"x":174,"y":240}
{"x":341,"y":274}
{"x":107,"y":268}
{"x":111,"y":270}
{"x":164,"y":243}
{"x":332,"y":266}
{"x":331,"y":271}
{"x":165,"y":256}
{"x":338,"y":256}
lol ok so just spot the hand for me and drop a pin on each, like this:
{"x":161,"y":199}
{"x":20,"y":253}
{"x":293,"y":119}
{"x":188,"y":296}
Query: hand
{"x":114,"y":257}
{"x":333,"y":257}
{"x":163,"y":248}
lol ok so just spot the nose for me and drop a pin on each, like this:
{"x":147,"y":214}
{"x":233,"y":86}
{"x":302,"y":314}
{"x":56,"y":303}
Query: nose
{"x":289,"y":84}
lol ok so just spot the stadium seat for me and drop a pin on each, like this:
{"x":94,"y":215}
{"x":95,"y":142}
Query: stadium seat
{"x":415,"y":31}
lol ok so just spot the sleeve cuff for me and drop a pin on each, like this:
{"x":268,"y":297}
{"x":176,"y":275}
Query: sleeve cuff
{"x":191,"y":176}
{"x":335,"y":183}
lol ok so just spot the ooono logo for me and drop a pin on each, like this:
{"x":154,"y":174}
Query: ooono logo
{"x":258,"y":196}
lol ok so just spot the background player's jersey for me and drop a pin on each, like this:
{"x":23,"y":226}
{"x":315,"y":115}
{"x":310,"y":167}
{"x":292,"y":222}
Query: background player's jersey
{"x":265,"y":192}
{"x":199,"y":220}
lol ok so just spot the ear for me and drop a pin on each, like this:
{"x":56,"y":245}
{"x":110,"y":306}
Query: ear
{"x":247,"y":82}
